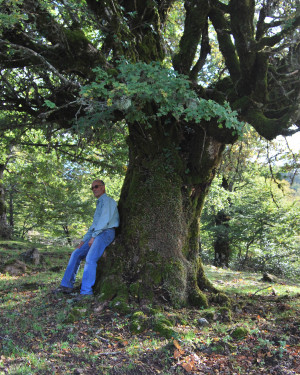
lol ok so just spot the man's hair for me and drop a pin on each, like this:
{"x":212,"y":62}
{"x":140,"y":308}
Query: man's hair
{"x":101,"y":181}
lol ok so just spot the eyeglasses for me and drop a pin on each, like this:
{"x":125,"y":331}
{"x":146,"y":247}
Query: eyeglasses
{"x":96,"y":186}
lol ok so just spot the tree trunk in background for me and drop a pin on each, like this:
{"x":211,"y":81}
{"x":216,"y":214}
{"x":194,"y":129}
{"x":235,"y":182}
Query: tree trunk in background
{"x":5,"y":230}
{"x":222,"y":241}
{"x":222,"y":244}
{"x":67,"y":233}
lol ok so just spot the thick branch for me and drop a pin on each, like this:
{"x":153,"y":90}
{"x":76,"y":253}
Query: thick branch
{"x":269,"y":128}
{"x":205,"y":50}
{"x":226,"y":46}
{"x":41,"y":59}
{"x":196,"y":19}
{"x":61,"y":46}
{"x":132,"y":28}
{"x":242,"y":28}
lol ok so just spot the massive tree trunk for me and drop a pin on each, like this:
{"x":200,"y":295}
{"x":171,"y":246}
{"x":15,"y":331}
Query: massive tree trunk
{"x":157,"y":252}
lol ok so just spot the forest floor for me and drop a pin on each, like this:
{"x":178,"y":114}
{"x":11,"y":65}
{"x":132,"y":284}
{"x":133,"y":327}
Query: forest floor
{"x":43,"y":333}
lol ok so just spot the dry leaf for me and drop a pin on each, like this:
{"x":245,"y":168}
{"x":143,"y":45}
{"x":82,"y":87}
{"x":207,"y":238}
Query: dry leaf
{"x":187,"y":366}
{"x":176,"y":344}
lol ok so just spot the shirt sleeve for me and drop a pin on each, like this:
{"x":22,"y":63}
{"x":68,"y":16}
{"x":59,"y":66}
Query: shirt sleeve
{"x":88,"y":234}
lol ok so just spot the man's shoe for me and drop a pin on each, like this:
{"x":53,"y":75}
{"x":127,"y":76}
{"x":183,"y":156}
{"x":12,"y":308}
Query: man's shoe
{"x":62,"y":289}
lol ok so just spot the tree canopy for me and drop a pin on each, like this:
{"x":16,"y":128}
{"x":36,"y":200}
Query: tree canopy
{"x":49,"y":49}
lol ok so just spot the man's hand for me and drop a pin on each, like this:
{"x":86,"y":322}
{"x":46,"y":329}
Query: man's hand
{"x":91,"y":241}
{"x":81,"y":243}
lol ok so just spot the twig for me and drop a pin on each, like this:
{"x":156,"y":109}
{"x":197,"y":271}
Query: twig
{"x":266,"y":287}
{"x":108,"y":353}
{"x":103,"y":339}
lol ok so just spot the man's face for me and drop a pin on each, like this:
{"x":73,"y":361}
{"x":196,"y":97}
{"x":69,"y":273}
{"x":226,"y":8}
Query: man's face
{"x":98,"y":189}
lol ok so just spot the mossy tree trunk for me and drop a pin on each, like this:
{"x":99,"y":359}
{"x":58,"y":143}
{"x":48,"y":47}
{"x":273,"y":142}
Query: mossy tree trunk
{"x":156,"y":255}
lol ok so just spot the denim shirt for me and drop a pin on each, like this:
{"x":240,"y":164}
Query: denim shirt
{"x":106,"y":216}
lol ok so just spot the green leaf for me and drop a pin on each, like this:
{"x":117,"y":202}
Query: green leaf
{"x":50,"y":104}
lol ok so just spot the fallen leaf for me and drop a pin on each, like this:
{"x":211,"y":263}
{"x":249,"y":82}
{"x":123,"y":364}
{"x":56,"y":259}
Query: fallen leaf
{"x":177,"y":353}
{"x":187,"y":366}
{"x":176,"y":344}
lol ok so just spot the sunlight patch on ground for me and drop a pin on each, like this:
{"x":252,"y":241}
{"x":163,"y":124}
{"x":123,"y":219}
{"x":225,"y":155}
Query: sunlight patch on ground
{"x":247,"y":282}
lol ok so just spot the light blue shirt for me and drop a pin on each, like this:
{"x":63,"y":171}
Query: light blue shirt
{"x":106,"y":216}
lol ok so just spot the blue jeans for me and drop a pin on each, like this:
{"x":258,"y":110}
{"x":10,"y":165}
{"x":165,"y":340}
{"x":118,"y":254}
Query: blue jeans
{"x":92,"y":255}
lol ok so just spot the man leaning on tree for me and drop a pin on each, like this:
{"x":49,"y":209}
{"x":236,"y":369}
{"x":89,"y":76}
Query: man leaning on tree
{"x":100,"y":234}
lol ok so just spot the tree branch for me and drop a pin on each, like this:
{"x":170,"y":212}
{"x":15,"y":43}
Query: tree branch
{"x":205,"y":50}
{"x":195,"y":22}
{"x":274,"y":39}
{"x":46,"y":63}
{"x":226,"y":46}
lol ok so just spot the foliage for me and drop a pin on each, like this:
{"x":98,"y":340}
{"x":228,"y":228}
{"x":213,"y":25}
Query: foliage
{"x":12,"y":18}
{"x":138,"y":84}
{"x":46,"y":45}
{"x":49,"y":196}
{"x":42,"y":175}
{"x":267,"y":229}
{"x":264,"y":215}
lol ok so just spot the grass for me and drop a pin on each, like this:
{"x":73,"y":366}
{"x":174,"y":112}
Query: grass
{"x":246,"y":283}
{"x":45,"y":334}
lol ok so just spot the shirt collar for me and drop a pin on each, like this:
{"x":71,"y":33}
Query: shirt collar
{"x":98,"y":200}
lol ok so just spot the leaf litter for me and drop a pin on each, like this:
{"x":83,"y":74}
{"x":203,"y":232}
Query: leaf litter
{"x":45,"y":334}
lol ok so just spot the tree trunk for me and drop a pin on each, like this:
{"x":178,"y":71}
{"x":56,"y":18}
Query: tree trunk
{"x":222,"y":243}
{"x":67,"y":233}
{"x":156,"y":255}
{"x":5,"y":231}
{"x":11,"y":209}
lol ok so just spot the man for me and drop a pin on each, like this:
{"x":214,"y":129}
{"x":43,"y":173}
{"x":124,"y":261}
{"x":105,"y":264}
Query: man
{"x":100,"y":234}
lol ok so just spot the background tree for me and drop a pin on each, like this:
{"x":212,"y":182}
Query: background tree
{"x":7,"y":142}
{"x":5,"y":231}
{"x":177,"y":126}
{"x":236,"y":161}
{"x":262,"y":232}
